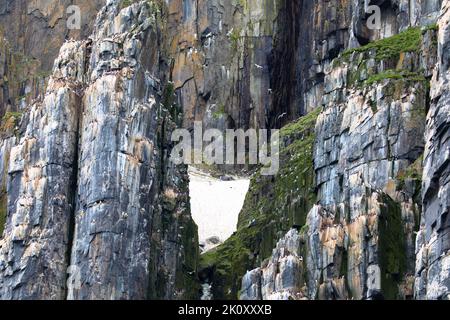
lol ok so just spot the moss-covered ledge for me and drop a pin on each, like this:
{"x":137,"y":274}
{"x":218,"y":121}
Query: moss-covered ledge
{"x":273,"y":206}
{"x":394,"y":58}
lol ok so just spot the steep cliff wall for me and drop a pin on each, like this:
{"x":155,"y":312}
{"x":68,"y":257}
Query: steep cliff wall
{"x":367,"y":138}
{"x":86,"y":186}
{"x":31,"y":35}
{"x":34,"y":32}
{"x":91,"y":190}
{"x":220,"y":68}
{"x":359,"y":242}
{"x":262,"y":63}
{"x":433,"y":240}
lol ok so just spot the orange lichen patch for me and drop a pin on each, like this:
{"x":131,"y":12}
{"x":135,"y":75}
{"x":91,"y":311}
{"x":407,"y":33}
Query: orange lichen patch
{"x":391,"y":188}
{"x":400,"y":61}
{"x":170,"y":194}
{"x":9,"y":124}
{"x":356,"y":233}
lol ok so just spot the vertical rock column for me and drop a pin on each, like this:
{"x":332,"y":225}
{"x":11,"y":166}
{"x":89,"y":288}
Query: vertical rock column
{"x":133,"y":229}
{"x":42,"y":171}
{"x":433,"y":240}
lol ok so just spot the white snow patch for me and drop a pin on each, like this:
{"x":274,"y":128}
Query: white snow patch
{"x":216,"y":204}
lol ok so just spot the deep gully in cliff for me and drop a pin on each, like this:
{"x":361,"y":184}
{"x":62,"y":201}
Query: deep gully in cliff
{"x":215,"y":206}
{"x":74,"y":187}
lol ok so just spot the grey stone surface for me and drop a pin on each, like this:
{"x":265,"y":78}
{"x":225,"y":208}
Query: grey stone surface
{"x":282,"y":277}
{"x":34,"y":31}
{"x":42,"y":172}
{"x":86,"y":171}
{"x":91,"y":190}
{"x":368,"y":137}
{"x":433,"y":240}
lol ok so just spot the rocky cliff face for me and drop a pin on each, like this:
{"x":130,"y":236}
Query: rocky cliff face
{"x":281,"y":277}
{"x":239,"y":64}
{"x":221,"y":68}
{"x":94,"y":209}
{"x":359,"y":242}
{"x":433,"y":240}
{"x":31,"y":34}
{"x":91,"y":191}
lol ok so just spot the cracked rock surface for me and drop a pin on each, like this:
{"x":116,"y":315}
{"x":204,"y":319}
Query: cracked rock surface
{"x":92,"y":208}
{"x":91,"y":190}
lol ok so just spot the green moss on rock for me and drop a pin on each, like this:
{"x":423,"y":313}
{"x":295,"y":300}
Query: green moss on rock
{"x":186,"y":279}
{"x":274,"y":204}
{"x":412,"y":173}
{"x":395,"y":75}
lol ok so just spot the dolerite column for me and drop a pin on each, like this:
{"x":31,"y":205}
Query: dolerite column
{"x":34,"y":250}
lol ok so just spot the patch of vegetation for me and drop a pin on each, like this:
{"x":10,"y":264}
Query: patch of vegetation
{"x":126,"y":3}
{"x":412,"y":174}
{"x":373,"y":106}
{"x":170,"y":103}
{"x":168,"y":95}
{"x":274,"y":204}
{"x":394,"y":74}
{"x":390,"y":48}
{"x":304,"y":230}
{"x":3,"y":210}
{"x":391,"y":51}
{"x":430,"y":27}
{"x":235,"y":36}
{"x":12,"y":114}
{"x":392,"y":250}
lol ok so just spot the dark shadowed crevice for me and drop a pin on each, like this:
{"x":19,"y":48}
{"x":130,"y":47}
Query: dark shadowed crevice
{"x":73,"y":195}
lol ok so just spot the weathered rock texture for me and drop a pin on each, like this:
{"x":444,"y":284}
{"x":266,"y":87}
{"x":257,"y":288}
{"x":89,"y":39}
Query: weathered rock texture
{"x":31,"y":35}
{"x":239,"y":64}
{"x":360,"y":239}
{"x":220,"y":68}
{"x":367,"y":137}
{"x":41,"y":175}
{"x":433,"y":240}
{"x":35,"y":31}
{"x":91,"y":190}
{"x":87,"y":188}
